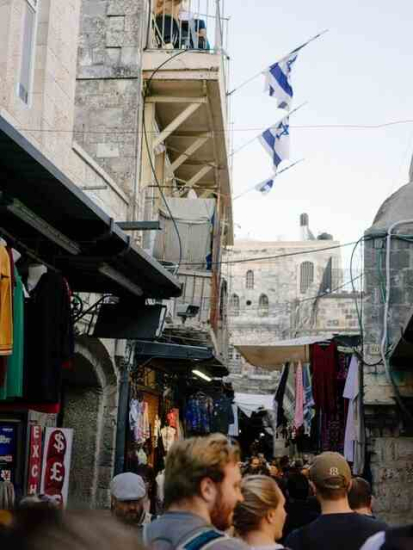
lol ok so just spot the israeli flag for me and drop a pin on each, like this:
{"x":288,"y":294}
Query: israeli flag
{"x":276,"y":141}
{"x":265,"y":186}
{"x":278,"y":81}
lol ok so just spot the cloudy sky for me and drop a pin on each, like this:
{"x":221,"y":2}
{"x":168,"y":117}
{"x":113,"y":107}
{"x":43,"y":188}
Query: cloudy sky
{"x":359,"y":73}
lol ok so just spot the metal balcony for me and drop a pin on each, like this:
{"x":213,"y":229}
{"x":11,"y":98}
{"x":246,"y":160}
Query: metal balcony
{"x":186,"y":118}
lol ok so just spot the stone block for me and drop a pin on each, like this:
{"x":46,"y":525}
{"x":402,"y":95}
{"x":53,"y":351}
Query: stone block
{"x":94,"y":8}
{"x":114,"y":55}
{"x":404,"y":448}
{"x":116,"y":23}
{"x":107,"y":150}
{"x":123,"y":7}
{"x":99,"y":56}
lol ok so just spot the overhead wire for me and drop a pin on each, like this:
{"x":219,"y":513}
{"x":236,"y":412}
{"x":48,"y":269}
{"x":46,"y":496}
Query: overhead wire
{"x":150,"y":155}
{"x":273,"y":257}
{"x":115,"y":132}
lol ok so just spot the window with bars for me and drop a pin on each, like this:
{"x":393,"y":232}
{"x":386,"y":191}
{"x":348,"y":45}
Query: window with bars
{"x":306,"y":276}
{"x":250,"y":280}
{"x":263,"y":305}
{"x":234,"y":306}
{"x":28,"y":50}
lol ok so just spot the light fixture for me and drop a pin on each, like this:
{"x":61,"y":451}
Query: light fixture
{"x":202,"y":375}
{"x":117,"y":277}
{"x":25,"y":214}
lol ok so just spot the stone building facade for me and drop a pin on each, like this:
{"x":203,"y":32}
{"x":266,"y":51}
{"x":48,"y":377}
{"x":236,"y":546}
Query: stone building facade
{"x":71,"y":84}
{"x":389,"y":421}
{"x":282,"y":296}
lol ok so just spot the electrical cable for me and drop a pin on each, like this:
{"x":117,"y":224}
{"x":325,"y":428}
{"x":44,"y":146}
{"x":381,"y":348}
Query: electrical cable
{"x":262,"y":258}
{"x":384,"y":342}
{"x":150,"y":155}
{"x":247,"y":129}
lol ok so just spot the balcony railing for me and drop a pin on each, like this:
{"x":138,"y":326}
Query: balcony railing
{"x":189,"y":24}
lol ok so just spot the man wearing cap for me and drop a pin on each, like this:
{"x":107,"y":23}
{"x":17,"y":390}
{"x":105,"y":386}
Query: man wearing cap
{"x":338,"y":527}
{"x":128,"y":499}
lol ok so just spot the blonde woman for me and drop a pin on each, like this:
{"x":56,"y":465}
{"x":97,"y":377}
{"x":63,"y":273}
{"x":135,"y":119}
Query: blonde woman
{"x":260,"y":518}
{"x":168,"y":7}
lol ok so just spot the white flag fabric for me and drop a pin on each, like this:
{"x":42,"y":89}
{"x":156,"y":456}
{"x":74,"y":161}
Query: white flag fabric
{"x":265,"y":186}
{"x":276,"y":141}
{"x":278,"y":81}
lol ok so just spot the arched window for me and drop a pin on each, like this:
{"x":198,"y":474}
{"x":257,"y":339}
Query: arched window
{"x":306,"y":276}
{"x":250,"y":280}
{"x":263,"y":305}
{"x":234,"y":305}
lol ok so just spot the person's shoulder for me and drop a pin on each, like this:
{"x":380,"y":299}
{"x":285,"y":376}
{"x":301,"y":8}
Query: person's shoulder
{"x":372,"y":523}
{"x":375,"y":542}
{"x":229,"y":543}
{"x":295,"y":538}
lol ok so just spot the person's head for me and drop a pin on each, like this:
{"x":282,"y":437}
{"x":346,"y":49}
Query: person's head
{"x":37,"y":528}
{"x":255,"y":463}
{"x":263,"y":508}
{"x":330,"y":476}
{"x":204,"y":471}
{"x":360,"y":496}
{"x":128,"y":494}
{"x":298,"y":487}
{"x":274,"y":469}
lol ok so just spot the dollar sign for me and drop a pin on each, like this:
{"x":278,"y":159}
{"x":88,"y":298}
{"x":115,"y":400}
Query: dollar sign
{"x":56,"y":473}
{"x":59,"y":442}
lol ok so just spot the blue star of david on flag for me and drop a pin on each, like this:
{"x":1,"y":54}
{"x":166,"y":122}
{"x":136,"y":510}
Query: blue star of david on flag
{"x":276,"y":141}
{"x":278,"y":81}
{"x":265,"y":186}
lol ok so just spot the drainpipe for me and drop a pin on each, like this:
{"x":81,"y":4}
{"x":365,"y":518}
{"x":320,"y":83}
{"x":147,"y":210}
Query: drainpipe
{"x":121,"y":426}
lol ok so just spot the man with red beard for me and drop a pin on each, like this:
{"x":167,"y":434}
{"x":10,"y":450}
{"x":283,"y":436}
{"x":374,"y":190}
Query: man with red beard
{"x":202,"y":488}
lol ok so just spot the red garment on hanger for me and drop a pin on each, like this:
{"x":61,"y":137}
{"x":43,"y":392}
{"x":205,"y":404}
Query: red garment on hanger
{"x":324,"y":360}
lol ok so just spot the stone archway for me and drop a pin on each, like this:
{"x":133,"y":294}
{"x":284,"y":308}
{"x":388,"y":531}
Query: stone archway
{"x":90,"y":408}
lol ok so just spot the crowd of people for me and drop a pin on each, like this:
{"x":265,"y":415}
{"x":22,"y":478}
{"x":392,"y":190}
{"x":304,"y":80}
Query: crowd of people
{"x":212,"y":501}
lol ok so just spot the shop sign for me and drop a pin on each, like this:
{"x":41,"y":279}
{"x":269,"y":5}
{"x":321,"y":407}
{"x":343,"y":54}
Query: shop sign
{"x":7,"y":451}
{"x":56,"y":463}
{"x":35,"y":460}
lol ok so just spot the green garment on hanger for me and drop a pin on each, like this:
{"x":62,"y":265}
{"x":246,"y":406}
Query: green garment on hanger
{"x":13,"y":386}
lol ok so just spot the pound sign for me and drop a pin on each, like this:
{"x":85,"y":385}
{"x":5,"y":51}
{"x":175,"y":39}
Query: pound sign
{"x":56,"y":472}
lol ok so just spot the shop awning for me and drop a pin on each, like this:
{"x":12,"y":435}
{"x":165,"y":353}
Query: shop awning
{"x":180,"y":359}
{"x":250,"y":403}
{"x":274,"y":356}
{"x":49,"y":216}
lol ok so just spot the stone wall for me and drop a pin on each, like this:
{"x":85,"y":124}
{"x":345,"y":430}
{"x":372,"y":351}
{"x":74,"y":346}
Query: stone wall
{"x":392,"y":469}
{"x":292,"y":312}
{"x":109,"y":89}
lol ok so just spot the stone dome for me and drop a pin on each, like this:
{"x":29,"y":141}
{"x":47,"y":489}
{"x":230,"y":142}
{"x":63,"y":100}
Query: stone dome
{"x":397,"y":207}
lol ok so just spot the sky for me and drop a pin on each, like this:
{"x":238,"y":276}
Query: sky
{"x":359,"y":73}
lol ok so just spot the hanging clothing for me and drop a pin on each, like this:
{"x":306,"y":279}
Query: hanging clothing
{"x":324,"y":359}
{"x":279,"y":397}
{"x":354,"y":444}
{"x":168,"y":435}
{"x":289,"y":398}
{"x":198,"y":414}
{"x":139,"y":420}
{"x":13,"y":386}
{"x":48,"y":338}
{"x":222,"y":416}
{"x":299,"y":397}
{"x":233,"y":430}
{"x":6,"y":305}
{"x":309,"y":411}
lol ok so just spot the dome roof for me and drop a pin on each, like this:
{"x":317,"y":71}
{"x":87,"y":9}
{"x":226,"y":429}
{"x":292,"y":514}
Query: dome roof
{"x":397,"y":207}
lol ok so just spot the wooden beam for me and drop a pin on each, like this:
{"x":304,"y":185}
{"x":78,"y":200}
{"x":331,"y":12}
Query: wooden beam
{"x":172,"y":99}
{"x":189,"y":152}
{"x":180,"y":119}
{"x":199,"y":175}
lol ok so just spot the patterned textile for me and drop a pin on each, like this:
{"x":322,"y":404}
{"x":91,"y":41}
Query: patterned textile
{"x":289,"y":398}
{"x":299,"y":397}
{"x":309,"y":411}
{"x":198,"y":414}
